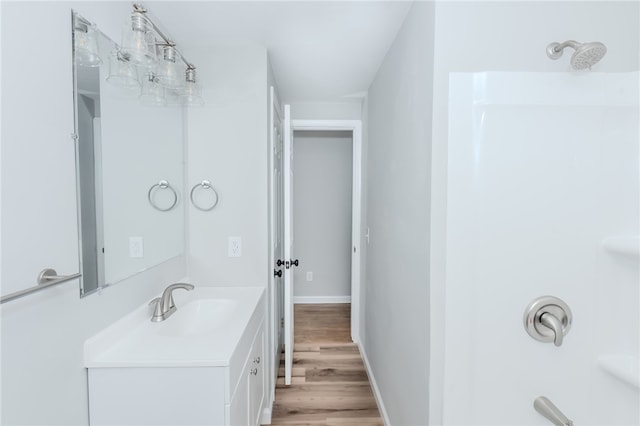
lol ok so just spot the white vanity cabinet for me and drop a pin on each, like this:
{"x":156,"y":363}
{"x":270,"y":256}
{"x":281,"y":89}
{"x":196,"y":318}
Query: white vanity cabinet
{"x":131,"y":388}
{"x":247,"y":401}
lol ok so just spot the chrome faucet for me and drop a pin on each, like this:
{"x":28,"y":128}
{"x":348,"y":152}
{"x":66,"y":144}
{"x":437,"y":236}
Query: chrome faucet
{"x":164,"y":305}
{"x":545,"y":407}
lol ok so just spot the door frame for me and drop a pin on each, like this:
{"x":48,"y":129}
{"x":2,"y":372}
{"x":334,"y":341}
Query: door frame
{"x":355,"y":126}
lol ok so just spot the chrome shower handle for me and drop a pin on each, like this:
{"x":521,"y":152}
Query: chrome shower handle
{"x":544,"y":406}
{"x":549,"y":320}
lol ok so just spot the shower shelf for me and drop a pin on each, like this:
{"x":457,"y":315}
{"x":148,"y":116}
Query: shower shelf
{"x":625,"y":368}
{"x":629,"y":246}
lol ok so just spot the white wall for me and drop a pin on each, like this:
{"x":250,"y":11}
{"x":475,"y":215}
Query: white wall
{"x":508,"y":36}
{"x":322,"y":191}
{"x":228,"y":146}
{"x":397,"y":288}
{"x":43,"y":378}
{"x":346,"y":110}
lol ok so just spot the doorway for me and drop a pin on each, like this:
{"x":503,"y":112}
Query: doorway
{"x":322,"y":203}
{"x":282,"y":259}
{"x":354,"y":127}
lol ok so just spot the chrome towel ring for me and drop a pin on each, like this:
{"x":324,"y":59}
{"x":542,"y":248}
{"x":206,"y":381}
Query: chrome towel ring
{"x":205,"y":184}
{"x":163,"y":184}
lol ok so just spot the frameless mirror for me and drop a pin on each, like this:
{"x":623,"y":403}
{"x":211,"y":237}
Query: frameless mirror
{"x":129,"y":161}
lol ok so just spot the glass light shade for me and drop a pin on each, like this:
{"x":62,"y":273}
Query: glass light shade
{"x":191,"y":94}
{"x":170,"y":72}
{"x":174,"y":97}
{"x":123,"y":74}
{"x":86,"y":44}
{"x":138,"y":41}
{"x":152,"y":92}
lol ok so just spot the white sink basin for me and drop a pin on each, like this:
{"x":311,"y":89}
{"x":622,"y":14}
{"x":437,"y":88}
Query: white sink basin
{"x":204,"y":331}
{"x":201,"y":317}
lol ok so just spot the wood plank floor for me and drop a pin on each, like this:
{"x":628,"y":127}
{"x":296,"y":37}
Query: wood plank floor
{"x":329,"y":384}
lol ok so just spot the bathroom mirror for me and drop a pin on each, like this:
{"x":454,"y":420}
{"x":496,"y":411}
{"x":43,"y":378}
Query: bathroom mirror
{"x":129,"y":163}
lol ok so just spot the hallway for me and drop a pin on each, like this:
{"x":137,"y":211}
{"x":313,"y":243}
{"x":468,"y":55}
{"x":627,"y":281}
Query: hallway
{"x":329,"y":383}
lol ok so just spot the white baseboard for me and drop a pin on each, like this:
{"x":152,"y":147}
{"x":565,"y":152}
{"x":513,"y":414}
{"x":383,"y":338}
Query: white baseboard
{"x":266,"y":416}
{"x":374,"y":386}
{"x":321,"y":299}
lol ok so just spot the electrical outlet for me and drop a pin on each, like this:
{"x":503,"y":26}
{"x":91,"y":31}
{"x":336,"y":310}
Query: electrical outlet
{"x":235,"y":247}
{"x":309,"y":276}
{"x":136,"y":247}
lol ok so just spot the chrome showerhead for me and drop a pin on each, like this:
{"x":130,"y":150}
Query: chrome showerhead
{"x":585,"y":56}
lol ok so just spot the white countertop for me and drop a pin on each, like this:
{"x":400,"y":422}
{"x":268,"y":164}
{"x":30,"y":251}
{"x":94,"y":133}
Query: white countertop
{"x":203,"y":332}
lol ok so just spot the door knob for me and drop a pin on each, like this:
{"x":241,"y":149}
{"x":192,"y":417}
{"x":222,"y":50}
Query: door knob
{"x":277,"y":273}
{"x":548,"y":319}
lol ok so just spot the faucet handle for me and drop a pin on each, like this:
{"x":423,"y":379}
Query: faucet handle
{"x":548,"y":319}
{"x":157,"y":306}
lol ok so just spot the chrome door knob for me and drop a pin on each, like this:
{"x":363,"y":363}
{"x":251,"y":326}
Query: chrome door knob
{"x":548,"y":319}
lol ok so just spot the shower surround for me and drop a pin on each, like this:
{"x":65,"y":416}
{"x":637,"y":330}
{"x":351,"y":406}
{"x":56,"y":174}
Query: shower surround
{"x":543,"y":199}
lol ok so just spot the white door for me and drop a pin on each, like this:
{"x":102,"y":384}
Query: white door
{"x":276,"y":283}
{"x":288,"y":241}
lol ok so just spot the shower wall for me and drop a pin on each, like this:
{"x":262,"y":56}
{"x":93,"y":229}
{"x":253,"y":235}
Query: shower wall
{"x":543,"y":199}
{"x":507,"y":36}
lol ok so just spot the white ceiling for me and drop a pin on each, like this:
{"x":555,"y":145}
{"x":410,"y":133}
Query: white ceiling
{"x":319,"y":50}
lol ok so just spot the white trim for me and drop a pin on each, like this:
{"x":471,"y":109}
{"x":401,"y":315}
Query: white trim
{"x":304,"y":300}
{"x":374,"y":386}
{"x":355,"y":126}
{"x":266,"y":416}
{"x":288,"y":242}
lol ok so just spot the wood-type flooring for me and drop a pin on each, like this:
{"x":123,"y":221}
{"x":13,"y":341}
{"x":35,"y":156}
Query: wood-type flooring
{"x":329,"y":384}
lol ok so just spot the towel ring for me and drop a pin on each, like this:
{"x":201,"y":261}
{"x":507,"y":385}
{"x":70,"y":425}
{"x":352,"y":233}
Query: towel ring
{"x":205,"y":184}
{"x":163,"y":184}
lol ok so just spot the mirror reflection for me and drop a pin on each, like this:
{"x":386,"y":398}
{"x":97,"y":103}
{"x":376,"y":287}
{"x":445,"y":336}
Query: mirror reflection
{"x":129,"y":160}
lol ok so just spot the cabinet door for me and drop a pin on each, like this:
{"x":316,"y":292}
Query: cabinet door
{"x":256,"y":379}
{"x":238,"y":413}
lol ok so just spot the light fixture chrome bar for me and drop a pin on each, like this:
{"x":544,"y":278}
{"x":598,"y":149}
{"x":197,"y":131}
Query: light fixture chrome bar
{"x":139,"y":8}
{"x":46,"y":284}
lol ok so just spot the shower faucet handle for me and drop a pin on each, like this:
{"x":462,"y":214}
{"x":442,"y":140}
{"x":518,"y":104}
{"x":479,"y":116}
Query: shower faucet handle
{"x":548,"y":319}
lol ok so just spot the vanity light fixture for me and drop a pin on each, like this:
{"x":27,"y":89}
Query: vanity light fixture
{"x":142,"y":44}
{"x":152,"y":91}
{"x":169,"y":72}
{"x":85,"y":41}
{"x":123,"y":74}
{"x":192,"y":96}
{"x":138,"y":40}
